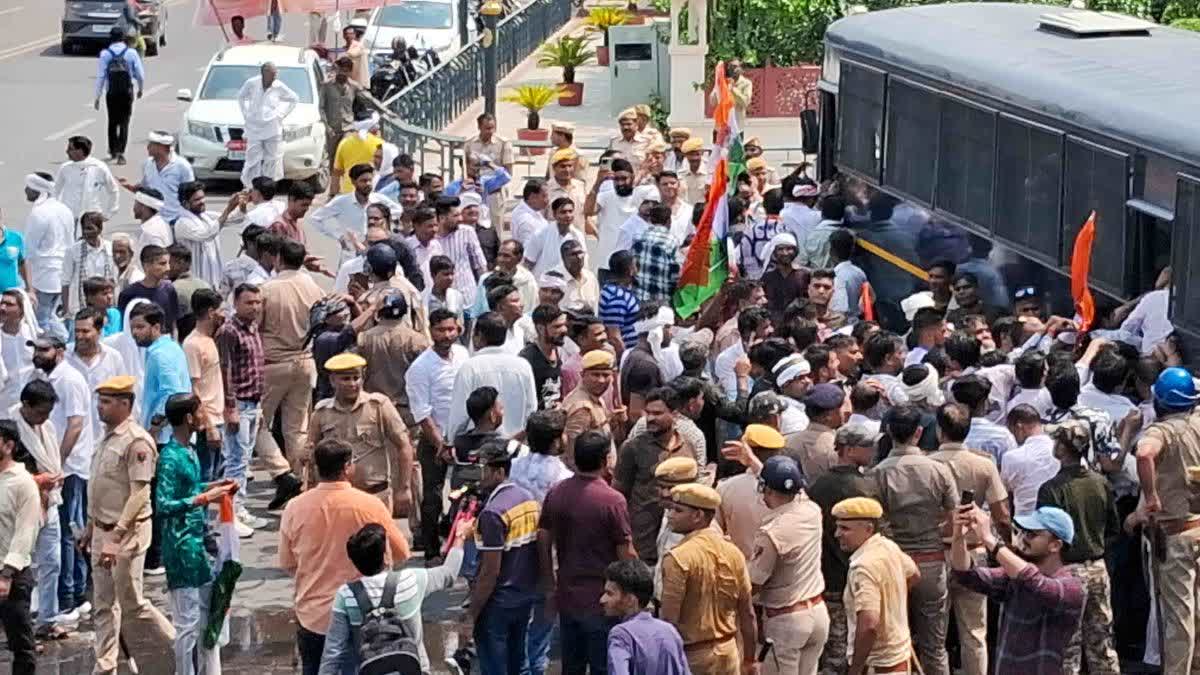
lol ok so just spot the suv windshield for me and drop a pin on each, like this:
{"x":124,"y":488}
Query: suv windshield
{"x":224,"y":82}
{"x":416,"y":14}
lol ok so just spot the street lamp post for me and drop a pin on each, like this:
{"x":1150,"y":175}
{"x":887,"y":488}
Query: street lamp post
{"x":490,"y":11}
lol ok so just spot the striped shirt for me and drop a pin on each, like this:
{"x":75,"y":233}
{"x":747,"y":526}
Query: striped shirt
{"x":619,"y":309}
{"x":462,"y":247}
{"x":508,"y":523}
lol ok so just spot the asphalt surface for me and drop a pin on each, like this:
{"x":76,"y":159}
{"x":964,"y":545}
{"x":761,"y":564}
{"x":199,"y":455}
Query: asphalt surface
{"x":48,"y":97}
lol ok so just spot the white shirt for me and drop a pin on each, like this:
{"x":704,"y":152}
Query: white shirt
{"x":512,"y":377}
{"x":74,"y":400}
{"x":799,"y":220}
{"x":544,"y":247}
{"x":1038,"y":398}
{"x":265,"y":213}
{"x":86,"y":186}
{"x":862,"y":420}
{"x":106,"y":364}
{"x":430,"y":384}
{"x":915,"y":356}
{"x":200,"y":233}
{"x":341,"y":283}
{"x":1025,"y":469}
{"x":18,"y":361}
{"x":49,"y":229}
{"x":681,"y":221}
{"x":794,"y":419}
{"x":519,"y":333}
{"x":265,"y":109}
{"x":1149,"y":319}
{"x":1115,"y":405}
{"x":723,"y":369}
{"x":613,"y":211}
{"x":526,"y":223}
{"x":987,"y":436}
{"x":155,"y":231}
{"x":631,"y":229}
{"x":344,"y":214}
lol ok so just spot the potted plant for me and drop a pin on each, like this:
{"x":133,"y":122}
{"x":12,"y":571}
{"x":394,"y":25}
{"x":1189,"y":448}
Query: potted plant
{"x":532,"y":97}
{"x":599,"y":20}
{"x":568,"y":53}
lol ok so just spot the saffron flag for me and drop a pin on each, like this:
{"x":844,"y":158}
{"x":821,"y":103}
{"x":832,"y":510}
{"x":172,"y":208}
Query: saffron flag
{"x":1081,"y":263}
{"x":706,"y":266}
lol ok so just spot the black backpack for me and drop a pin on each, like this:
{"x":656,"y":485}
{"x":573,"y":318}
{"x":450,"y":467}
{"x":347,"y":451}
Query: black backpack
{"x":385,"y":648}
{"x":120,"y":79}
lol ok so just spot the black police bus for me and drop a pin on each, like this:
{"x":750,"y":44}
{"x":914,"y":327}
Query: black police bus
{"x":995,"y":129}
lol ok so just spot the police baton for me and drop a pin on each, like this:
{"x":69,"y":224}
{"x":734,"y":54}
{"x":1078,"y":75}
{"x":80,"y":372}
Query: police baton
{"x":765,"y":648}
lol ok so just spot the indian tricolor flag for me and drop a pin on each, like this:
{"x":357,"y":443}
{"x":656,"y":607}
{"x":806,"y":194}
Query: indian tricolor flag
{"x":707,"y":264}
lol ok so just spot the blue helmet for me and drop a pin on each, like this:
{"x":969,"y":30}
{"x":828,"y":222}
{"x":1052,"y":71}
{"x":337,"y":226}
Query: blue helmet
{"x":782,"y":474}
{"x":1175,"y":389}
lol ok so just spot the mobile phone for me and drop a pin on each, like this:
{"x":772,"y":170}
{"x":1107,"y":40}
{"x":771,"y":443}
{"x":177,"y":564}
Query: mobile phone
{"x":968,"y":498}
{"x":606,"y":164}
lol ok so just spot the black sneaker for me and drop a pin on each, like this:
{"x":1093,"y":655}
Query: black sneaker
{"x":286,"y":487}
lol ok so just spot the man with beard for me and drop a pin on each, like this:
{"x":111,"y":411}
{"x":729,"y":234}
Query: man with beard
{"x":611,"y":199}
{"x":200,"y":233}
{"x":21,"y":510}
{"x":783,"y":282}
{"x":588,"y":407}
{"x":343,"y":218}
{"x":545,"y":355}
{"x":634,"y":475}
{"x":1043,"y":599}
{"x":849,"y":356}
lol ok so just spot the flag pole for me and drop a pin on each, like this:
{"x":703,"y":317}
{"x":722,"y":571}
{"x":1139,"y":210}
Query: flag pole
{"x":220,"y":22}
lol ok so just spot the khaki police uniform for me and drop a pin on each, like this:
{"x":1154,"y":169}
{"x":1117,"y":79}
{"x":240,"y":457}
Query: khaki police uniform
{"x":373,"y":429}
{"x":786,"y":571}
{"x":122,"y":465}
{"x":1177,"y":568}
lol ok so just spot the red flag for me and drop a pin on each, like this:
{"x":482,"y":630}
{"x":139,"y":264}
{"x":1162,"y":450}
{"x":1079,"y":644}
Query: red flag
{"x":1081,"y":263}
{"x":868,"y":307}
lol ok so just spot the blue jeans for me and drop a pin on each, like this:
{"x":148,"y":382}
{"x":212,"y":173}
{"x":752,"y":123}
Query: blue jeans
{"x":189,"y":615}
{"x":73,"y":579}
{"x":274,"y":24}
{"x":500,"y":639}
{"x":585,"y":643}
{"x":46,"y":313}
{"x":541,"y":635}
{"x":238,"y":445}
{"x":47,"y":555}
{"x":211,"y":456}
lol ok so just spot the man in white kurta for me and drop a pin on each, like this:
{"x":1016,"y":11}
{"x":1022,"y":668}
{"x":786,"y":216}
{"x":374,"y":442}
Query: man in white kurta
{"x":85,"y":183}
{"x":265,"y":102}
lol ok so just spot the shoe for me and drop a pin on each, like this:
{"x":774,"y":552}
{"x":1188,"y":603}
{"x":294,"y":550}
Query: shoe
{"x":85,"y":609}
{"x":243,"y":530}
{"x":155,"y":571}
{"x":286,"y":487}
{"x":68,"y":617}
{"x":121,"y":160}
{"x":252,"y":521}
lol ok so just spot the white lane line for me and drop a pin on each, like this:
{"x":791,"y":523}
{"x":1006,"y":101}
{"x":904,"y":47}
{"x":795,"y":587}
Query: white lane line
{"x":155,"y":89}
{"x":28,"y":47}
{"x":11,"y":10}
{"x":63,"y":133}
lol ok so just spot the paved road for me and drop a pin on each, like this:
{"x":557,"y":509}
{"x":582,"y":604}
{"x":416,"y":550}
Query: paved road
{"x":48,"y":97}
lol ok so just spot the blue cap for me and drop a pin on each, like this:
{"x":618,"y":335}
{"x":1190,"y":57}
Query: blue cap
{"x":1053,"y":520}
{"x":1175,"y":388}
{"x":381,"y":256}
{"x":825,"y":396}
{"x":782,"y":474}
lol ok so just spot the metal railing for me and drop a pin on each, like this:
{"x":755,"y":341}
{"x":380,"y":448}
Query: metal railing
{"x":436,"y":99}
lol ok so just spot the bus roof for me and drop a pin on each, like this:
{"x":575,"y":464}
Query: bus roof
{"x":1144,"y":90}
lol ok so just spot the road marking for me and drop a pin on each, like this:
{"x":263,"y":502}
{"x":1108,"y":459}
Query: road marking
{"x":70,"y":130}
{"x":10,"y":10}
{"x":155,"y":89}
{"x":28,"y":47}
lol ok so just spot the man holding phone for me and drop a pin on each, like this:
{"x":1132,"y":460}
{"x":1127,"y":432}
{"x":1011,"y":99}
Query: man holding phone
{"x":612,"y":201}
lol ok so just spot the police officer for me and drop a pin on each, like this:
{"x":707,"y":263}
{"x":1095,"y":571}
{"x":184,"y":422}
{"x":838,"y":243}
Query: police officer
{"x":370,"y":424}
{"x":706,"y":588}
{"x":587,"y":406}
{"x":1168,"y":459}
{"x":669,"y":473}
{"x":786,"y":571}
{"x":118,"y":528}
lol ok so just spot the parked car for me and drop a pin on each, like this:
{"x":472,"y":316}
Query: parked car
{"x":212,"y":130}
{"x":90,"y":22}
{"x":424,"y":24}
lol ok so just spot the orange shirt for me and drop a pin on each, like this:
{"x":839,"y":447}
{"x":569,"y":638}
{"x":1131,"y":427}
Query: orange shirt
{"x":312,"y":545}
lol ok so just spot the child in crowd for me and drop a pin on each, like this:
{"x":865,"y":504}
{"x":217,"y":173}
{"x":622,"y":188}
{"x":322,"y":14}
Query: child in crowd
{"x":443,"y":294}
{"x":98,"y":294}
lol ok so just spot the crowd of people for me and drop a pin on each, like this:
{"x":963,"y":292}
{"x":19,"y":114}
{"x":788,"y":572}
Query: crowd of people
{"x":816,"y":472}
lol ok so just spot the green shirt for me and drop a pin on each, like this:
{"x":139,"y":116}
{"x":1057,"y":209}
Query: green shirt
{"x":183,"y":553}
{"x":1087,"y":497}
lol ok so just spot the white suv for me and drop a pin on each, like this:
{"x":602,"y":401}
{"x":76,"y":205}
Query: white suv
{"x":211,"y":137}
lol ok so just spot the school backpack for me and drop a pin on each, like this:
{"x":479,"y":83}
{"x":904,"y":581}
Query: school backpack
{"x":120,"y":79}
{"x":385,"y":647}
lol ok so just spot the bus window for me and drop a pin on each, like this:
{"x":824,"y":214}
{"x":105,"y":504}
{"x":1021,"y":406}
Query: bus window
{"x":967,"y":161}
{"x":1097,"y":179}
{"x":860,"y":119}
{"x":1029,"y":186}
{"x":1185,"y":281}
{"x":912,"y":139}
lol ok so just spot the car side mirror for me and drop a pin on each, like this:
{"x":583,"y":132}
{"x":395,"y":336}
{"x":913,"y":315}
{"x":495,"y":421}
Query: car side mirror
{"x":184,"y":95}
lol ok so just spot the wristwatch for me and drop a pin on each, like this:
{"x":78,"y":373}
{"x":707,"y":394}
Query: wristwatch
{"x":995,"y":549}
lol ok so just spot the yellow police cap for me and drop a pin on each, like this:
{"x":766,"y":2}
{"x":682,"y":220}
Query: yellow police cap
{"x":676,"y":470}
{"x":562,"y":127}
{"x":597,"y":358}
{"x":696,"y":495}
{"x":642,"y":109}
{"x":762,"y":436}
{"x":753,"y":140}
{"x":680,"y":131}
{"x":756,"y":164}
{"x":563,"y":155}
{"x":345,"y":361}
{"x":121,"y":384}
{"x":627,"y":114}
{"x":858,"y":508}
{"x":658,"y":146}
{"x":692,"y":145}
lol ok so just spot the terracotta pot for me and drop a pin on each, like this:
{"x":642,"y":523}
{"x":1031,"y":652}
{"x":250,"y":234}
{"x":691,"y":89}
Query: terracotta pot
{"x":571,"y":94}
{"x":635,"y":20}
{"x":533,"y":135}
{"x":602,"y":55}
